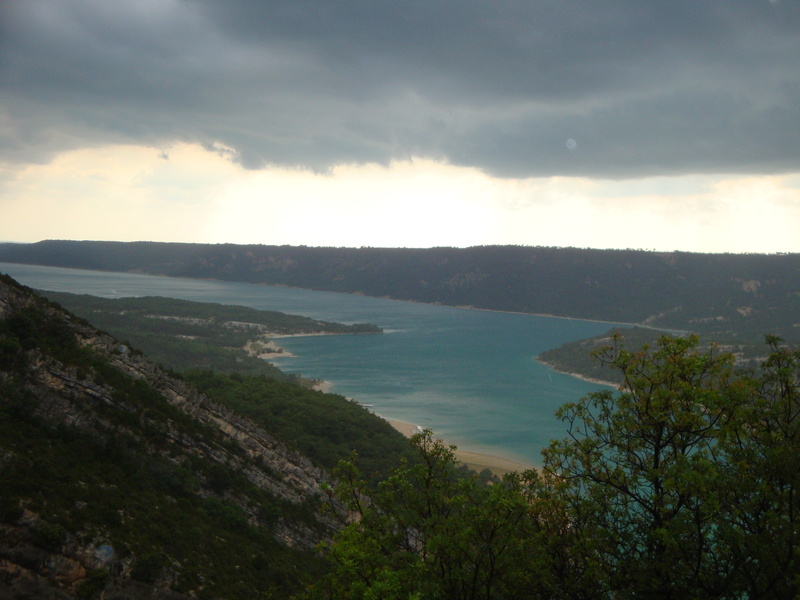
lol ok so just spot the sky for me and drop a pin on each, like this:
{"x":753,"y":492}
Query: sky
{"x":658,"y":125}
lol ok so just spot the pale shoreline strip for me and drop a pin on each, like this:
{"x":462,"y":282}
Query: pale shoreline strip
{"x":474,"y":460}
{"x":577,"y":375}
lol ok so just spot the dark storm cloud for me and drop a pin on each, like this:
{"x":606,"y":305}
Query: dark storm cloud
{"x":640,"y":88}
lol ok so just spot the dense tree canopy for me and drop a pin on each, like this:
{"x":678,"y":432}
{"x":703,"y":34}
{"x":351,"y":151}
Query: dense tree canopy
{"x":684,"y":484}
{"x":717,"y":294}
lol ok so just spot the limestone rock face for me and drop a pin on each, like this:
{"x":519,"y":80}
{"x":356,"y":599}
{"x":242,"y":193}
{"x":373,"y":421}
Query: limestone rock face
{"x":70,"y":396}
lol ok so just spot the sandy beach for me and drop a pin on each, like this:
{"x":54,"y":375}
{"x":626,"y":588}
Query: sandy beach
{"x":322,"y":386}
{"x":474,"y":460}
{"x":265,"y":349}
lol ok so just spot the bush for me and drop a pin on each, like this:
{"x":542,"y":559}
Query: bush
{"x":148,"y":567}
{"x":94,"y":583}
{"x":49,"y":536}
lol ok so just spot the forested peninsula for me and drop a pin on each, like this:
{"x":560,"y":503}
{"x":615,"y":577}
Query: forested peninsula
{"x":181,"y":334}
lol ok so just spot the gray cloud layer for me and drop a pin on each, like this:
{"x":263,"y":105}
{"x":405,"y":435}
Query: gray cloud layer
{"x":617,"y":88}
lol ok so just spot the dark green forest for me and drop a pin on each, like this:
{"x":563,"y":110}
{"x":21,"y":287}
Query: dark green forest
{"x":738,"y":296}
{"x":324,"y":427}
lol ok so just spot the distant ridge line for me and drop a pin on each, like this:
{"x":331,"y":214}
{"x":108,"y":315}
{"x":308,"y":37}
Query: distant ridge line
{"x":753,"y":293}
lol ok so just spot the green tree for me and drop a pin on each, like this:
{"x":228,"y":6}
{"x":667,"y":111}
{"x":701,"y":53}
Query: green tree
{"x":640,"y":474}
{"x":761,"y":457}
{"x":427,"y":533}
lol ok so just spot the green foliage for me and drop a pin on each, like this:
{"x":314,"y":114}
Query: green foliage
{"x":578,"y":356}
{"x":148,"y":567}
{"x":683,"y":485}
{"x":10,"y":349}
{"x":117,"y":475}
{"x":37,"y":327}
{"x":426,"y":533}
{"x":181,"y":334}
{"x":50,"y":536}
{"x":93,"y":585}
{"x":190,"y":317}
{"x":761,"y":479}
{"x":110,"y":485}
{"x":642,"y":468}
{"x":686,"y":482}
{"x":325,"y":427}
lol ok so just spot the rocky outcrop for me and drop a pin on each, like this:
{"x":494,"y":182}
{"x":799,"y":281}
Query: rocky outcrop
{"x":297,"y":478}
{"x":69,"y":395}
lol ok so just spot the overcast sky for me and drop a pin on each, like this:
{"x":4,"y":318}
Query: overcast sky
{"x":657,"y":124}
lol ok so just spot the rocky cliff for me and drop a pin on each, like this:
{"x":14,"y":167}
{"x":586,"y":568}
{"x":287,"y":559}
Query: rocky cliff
{"x":188,"y":455}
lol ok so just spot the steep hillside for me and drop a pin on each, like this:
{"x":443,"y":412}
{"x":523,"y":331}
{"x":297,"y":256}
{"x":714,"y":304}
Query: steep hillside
{"x":118,"y":478}
{"x":748,"y":295}
{"x":221,"y":349}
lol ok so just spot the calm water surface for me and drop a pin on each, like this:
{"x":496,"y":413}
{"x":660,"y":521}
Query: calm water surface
{"x":469,"y":375}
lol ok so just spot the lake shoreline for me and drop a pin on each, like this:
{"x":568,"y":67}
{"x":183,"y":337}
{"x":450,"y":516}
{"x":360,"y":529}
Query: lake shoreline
{"x":476,"y":461}
{"x":280,"y":285}
{"x":577,"y":375}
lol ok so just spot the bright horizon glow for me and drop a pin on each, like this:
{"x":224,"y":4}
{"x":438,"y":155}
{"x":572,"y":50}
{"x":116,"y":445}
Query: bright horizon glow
{"x":186,"y":193}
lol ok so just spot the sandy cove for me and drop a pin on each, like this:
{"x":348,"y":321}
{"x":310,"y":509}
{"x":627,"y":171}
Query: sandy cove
{"x":265,"y":348}
{"x":474,"y":460}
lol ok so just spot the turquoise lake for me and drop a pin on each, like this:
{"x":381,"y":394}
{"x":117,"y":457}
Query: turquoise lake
{"x":469,"y":375}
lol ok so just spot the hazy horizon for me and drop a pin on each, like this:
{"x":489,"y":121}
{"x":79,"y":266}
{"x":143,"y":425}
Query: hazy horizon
{"x":661,"y":125}
{"x":395,"y":247}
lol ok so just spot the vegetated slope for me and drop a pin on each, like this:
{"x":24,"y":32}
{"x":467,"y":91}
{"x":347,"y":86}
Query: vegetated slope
{"x":578,"y":357}
{"x":181,"y":334}
{"x":119,"y":478}
{"x":748,"y":295}
{"x":206,"y":343}
{"x":583,"y":357}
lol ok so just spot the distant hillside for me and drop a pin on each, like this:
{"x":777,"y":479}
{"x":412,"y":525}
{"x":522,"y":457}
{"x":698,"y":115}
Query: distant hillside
{"x":120,"y":480}
{"x":181,"y":335}
{"x":578,"y":357}
{"x":742,"y":295}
